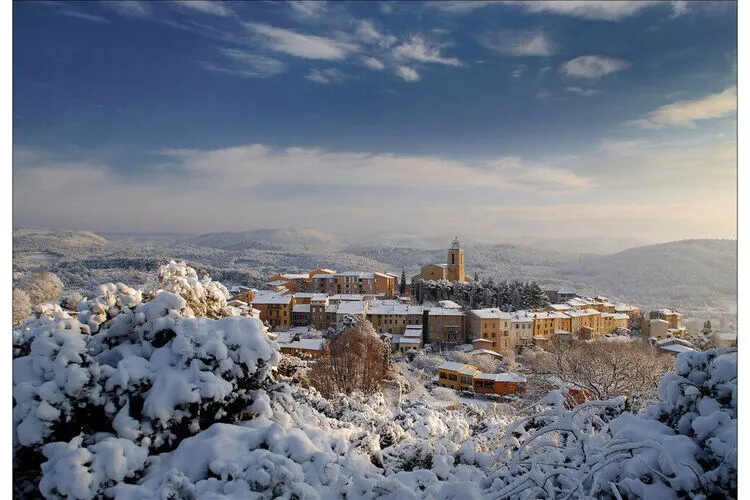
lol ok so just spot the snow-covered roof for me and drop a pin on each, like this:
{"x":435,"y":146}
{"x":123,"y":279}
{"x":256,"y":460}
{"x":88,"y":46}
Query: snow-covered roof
{"x":318,"y":297}
{"x":560,"y":307}
{"x":352,"y":308}
{"x":269,"y":297}
{"x":358,"y":274}
{"x":377,"y":307}
{"x":562,"y":332}
{"x":325,"y":270}
{"x":622,"y":307}
{"x":304,"y":295}
{"x":413,"y":331}
{"x":491,"y":313}
{"x":658,"y":320}
{"x":348,"y":297}
{"x":324,"y":276}
{"x":548,"y":315}
{"x":277,"y":283}
{"x":236,"y":303}
{"x":465,"y":348}
{"x":453,"y":366}
{"x":475,"y":341}
{"x":308,"y":344}
{"x":678,"y":348}
{"x":615,"y":315}
{"x":296,"y":276}
{"x":578,"y":302}
{"x":301,"y":308}
{"x":500,"y":377}
{"x":582,"y":312}
{"x":448,"y":304}
{"x":667,"y":312}
{"x":673,"y":340}
{"x":332,"y":308}
{"x":477,"y":352}
{"x":445,"y":311}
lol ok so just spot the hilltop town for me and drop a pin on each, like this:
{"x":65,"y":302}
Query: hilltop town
{"x":298,"y":308}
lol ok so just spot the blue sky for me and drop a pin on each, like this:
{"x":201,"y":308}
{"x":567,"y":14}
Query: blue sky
{"x":557,"y":119}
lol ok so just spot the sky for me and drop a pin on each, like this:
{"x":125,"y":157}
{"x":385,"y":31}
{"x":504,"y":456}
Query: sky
{"x":493,"y":120}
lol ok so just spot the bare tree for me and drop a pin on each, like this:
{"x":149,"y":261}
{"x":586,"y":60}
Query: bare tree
{"x":43,"y":286}
{"x":21,"y":305}
{"x":354,"y":361}
{"x":605,"y":369}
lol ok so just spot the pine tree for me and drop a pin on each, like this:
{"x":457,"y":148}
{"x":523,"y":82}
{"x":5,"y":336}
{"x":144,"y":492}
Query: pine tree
{"x":402,"y":285}
{"x":476,"y":276}
{"x":706,"y":327}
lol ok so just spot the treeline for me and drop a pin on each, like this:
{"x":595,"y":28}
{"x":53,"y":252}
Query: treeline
{"x":506,"y":296}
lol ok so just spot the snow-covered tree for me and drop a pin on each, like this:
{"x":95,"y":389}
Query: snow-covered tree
{"x":204,"y":296}
{"x":21,"y":305}
{"x":402,"y":284}
{"x":42,"y":286}
{"x":706,"y":328}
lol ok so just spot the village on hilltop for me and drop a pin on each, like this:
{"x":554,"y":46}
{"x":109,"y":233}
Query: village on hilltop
{"x":324,"y":299}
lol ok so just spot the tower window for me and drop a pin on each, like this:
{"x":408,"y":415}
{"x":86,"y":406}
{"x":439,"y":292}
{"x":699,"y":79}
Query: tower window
{"x":453,"y":258}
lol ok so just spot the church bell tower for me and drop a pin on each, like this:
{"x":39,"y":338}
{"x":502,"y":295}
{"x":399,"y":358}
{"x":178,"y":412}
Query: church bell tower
{"x":456,"y":268}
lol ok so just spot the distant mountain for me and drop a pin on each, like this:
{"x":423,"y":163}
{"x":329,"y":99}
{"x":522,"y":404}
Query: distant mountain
{"x":49,"y":240}
{"x":690,"y":273}
{"x":268,"y":239}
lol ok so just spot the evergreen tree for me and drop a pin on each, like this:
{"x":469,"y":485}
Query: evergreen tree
{"x":476,"y":276}
{"x":402,"y":285}
{"x":706,"y":327}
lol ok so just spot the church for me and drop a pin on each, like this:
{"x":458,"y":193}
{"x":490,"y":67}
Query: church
{"x":452,"y":270}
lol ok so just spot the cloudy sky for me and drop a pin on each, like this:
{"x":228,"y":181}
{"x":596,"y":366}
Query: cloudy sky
{"x":512,"y":119}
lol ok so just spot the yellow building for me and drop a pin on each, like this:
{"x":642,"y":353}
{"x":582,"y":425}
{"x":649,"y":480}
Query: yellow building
{"x":547,"y":323}
{"x":609,"y":322}
{"x":456,"y":375}
{"x":452,"y":270}
{"x":492,"y":325}
{"x":275,"y":308}
{"x":587,"y":319}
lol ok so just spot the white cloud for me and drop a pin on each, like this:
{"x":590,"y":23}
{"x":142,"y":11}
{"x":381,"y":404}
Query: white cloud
{"x":518,"y":43}
{"x":686,"y":113}
{"x":243,"y":63}
{"x":582,"y":91}
{"x":517,"y":73}
{"x":212,"y":7}
{"x":309,"y":8}
{"x":373,"y":63}
{"x":83,"y":15}
{"x":418,"y":49}
{"x":305,"y":46}
{"x":679,"y":9}
{"x":407,"y":73}
{"x":593,"y":66}
{"x":367,"y":32}
{"x":458,"y":7}
{"x":128,"y":8}
{"x":607,"y":10}
{"x":328,"y":75}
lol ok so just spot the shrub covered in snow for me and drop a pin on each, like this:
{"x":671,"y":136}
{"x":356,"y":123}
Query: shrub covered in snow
{"x":150,"y":373}
{"x":204,"y":297}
